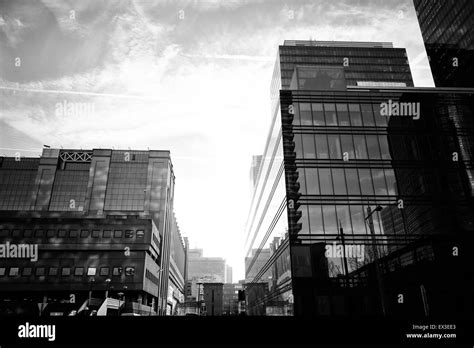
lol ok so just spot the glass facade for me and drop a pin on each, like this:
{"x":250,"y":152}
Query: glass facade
{"x":446,"y":27}
{"x":394,"y":191}
{"x":340,"y":168}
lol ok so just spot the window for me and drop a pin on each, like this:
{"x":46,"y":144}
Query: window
{"x":117,"y":271}
{"x":27,"y":271}
{"x":140,"y":234}
{"x":367,"y":115}
{"x":344,"y":218}
{"x":360,"y":147}
{"x":352,"y":181}
{"x":104,"y":271}
{"x":51,"y":233}
{"x":95,"y":233}
{"x":325,"y":181}
{"x":354,"y":112}
{"x":73,"y":233}
{"x":305,"y":114}
{"x":62,"y":233}
{"x":347,"y":146}
{"x":312,"y":182}
{"x":315,"y":219}
{"x":334,"y":147}
{"x":384,"y":147}
{"x":107,"y":234}
{"x":28,"y":233}
{"x":308,"y":146}
{"x":4,"y":233}
{"x":373,"y":146}
{"x":366,"y":182}
{"x":91,"y":271}
{"x":16,"y":233}
{"x":129,"y":271}
{"x":357,"y":217}
{"x":379,"y":182}
{"x":14,"y":271}
{"x":339,"y":181}
{"x":128,"y":234}
{"x":391,"y":183}
{"x":118,"y":234}
{"x":53,"y":271}
{"x":66,"y":271}
{"x":39,"y":233}
{"x":380,"y":121}
{"x":84,"y":233}
{"x":2,"y":271}
{"x":40,"y":271}
{"x":298,"y":145}
{"x":343,"y":115}
{"x":330,"y":114}
{"x":321,"y":146}
{"x":329,"y":215}
{"x":318,"y":114}
{"x":79,"y":271}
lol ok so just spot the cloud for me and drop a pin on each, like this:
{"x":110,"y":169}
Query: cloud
{"x":198,"y":86}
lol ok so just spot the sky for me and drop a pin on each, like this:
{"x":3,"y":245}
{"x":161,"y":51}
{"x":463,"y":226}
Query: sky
{"x":192,"y":77}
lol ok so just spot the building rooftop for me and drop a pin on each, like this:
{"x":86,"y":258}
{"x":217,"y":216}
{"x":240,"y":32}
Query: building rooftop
{"x":338,"y":43}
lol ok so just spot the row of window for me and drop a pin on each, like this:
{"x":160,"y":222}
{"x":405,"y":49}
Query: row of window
{"x":328,"y":219}
{"x":340,"y":114}
{"x":64,"y":271}
{"x":347,"y":181}
{"x":73,"y":233}
{"x":351,"y":66}
{"x":344,"y":146}
{"x":339,"y":51}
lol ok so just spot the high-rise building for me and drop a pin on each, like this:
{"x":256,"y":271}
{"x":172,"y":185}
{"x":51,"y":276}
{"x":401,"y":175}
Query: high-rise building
{"x":446,"y":27}
{"x":228,"y":274}
{"x":103,"y":223}
{"x":365,"y":188}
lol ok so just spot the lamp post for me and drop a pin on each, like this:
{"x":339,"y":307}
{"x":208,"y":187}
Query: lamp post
{"x":91,"y":285}
{"x":107,"y":287}
{"x":370,"y":222}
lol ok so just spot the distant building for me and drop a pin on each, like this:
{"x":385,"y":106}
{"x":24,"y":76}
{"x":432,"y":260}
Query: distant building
{"x":231,"y":298}
{"x":228,"y":274}
{"x":213,"y":298}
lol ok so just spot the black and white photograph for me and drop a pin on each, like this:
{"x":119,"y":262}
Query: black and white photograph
{"x":236,"y":172}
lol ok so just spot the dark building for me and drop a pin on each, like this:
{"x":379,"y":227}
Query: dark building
{"x":213,"y":298}
{"x":446,"y":27}
{"x":103,"y":222}
{"x":392,"y":196}
{"x":231,"y":298}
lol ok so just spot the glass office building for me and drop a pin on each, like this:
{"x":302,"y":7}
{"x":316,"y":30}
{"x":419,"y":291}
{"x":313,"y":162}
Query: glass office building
{"x":446,"y":27}
{"x":83,"y":208}
{"x":385,"y":191}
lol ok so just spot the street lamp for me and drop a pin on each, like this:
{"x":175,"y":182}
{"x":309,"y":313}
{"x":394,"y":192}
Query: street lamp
{"x":107,"y":284}
{"x":91,"y":285}
{"x":370,"y":221}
